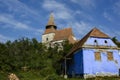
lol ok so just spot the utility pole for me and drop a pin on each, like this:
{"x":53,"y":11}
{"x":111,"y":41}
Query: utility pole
{"x":65,"y":61}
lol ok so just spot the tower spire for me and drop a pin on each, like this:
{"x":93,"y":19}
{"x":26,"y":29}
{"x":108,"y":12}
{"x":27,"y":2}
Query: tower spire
{"x":51,"y":22}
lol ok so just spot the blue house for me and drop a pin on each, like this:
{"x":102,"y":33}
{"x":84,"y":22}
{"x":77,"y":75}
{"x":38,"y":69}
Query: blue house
{"x":94,"y":55}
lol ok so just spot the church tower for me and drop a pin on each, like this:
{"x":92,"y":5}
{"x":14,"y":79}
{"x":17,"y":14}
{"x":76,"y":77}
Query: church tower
{"x":51,"y":23}
{"x":49,"y":33}
{"x":52,"y":37}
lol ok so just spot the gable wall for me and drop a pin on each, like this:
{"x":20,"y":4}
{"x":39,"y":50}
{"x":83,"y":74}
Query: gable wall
{"x":100,"y":41}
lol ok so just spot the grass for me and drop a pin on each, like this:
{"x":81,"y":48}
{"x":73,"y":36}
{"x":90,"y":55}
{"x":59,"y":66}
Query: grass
{"x":3,"y":75}
{"x":35,"y":75}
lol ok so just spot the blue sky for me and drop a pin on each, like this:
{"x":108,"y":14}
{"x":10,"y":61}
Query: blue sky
{"x":28,"y":18}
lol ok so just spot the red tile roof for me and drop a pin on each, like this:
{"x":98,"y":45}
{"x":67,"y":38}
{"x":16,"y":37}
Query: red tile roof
{"x":64,"y":34}
{"x":97,"y":33}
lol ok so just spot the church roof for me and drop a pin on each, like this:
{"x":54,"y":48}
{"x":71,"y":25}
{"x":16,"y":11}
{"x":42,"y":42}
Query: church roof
{"x":62,"y":34}
{"x":51,"y":21}
{"x":93,"y":33}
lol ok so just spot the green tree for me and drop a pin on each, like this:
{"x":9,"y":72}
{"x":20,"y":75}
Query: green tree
{"x":115,"y":40}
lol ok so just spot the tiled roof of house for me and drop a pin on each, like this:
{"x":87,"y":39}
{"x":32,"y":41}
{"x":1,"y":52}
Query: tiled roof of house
{"x":62,"y":34}
{"x":93,"y":33}
{"x":97,"y":33}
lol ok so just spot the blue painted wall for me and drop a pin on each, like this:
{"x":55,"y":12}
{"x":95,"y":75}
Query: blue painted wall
{"x":92,"y":67}
{"x":76,"y":66}
{"x":84,"y":59}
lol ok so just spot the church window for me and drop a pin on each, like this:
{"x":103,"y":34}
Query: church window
{"x":46,"y":39}
{"x":97,"y":56}
{"x":110,"y":56}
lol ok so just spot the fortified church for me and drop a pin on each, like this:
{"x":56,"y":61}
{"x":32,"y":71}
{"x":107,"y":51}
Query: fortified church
{"x":53,"y":37}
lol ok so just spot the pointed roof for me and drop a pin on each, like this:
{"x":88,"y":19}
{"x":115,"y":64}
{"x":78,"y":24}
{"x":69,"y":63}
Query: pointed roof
{"x":51,"y":21}
{"x":97,"y":33}
{"x":93,"y":33}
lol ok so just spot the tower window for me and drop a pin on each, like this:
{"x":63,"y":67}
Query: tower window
{"x":97,"y":56}
{"x":46,"y":39}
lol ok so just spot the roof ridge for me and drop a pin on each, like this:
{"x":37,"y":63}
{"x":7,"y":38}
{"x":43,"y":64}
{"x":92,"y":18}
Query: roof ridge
{"x":80,"y":43}
{"x":95,"y":32}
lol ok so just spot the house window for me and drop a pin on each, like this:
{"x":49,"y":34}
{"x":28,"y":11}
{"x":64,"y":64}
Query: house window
{"x":97,"y":56}
{"x":110,"y":56}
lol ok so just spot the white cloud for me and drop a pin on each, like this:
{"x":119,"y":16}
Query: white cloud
{"x":4,"y":38}
{"x":85,"y":3}
{"x":15,"y":6}
{"x":17,"y":25}
{"x":60,"y":9}
{"x":17,"y":9}
{"x":110,"y":32}
{"x":116,"y":7}
{"x":81,"y":28}
{"x":107,"y":16}
{"x":83,"y":15}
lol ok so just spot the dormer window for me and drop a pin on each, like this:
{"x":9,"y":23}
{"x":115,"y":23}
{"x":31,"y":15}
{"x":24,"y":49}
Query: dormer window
{"x":95,"y":42}
{"x":105,"y":41}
